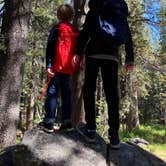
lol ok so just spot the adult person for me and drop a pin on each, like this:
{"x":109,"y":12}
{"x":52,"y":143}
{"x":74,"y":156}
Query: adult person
{"x":101,"y":53}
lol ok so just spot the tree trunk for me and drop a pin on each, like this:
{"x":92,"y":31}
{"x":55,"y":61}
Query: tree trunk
{"x":133,"y":115}
{"x":78,"y":113}
{"x":99,"y":95}
{"x":165,"y":121}
{"x":77,"y":104}
{"x":30,"y":111}
{"x":15,"y":29}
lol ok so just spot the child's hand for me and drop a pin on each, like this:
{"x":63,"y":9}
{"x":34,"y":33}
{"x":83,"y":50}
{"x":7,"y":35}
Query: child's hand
{"x":76,"y":59}
{"x":129,"y":68}
{"x":50,"y":73}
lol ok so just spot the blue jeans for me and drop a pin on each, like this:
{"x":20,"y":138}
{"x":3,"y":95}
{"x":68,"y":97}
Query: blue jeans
{"x":60,"y":82}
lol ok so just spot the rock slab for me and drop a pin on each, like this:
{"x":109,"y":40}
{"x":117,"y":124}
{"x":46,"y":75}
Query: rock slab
{"x":39,"y":148}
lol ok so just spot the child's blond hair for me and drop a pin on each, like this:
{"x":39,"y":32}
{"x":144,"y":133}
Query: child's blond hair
{"x":65,"y":12}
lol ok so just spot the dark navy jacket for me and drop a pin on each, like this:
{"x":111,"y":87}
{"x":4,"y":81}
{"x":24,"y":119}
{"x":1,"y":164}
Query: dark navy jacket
{"x":90,"y":42}
{"x":51,"y":44}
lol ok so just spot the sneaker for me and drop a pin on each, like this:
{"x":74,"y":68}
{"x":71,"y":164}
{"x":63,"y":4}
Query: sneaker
{"x":47,"y":127}
{"x":115,"y":142}
{"x":66,"y":127}
{"x":41,"y":124}
{"x":89,"y":135}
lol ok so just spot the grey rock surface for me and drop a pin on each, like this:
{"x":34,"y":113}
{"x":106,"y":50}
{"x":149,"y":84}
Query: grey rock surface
{"x":39,"y":148}
{"x":132,"y":155}
{"x":58,"y":149}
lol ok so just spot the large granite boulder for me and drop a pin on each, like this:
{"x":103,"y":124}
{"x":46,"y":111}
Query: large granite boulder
{"x":132,"y":155}
{"x":69,"y":149}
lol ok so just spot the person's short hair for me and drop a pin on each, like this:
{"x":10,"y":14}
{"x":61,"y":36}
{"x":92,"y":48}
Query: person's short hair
{"x":65,"y":12}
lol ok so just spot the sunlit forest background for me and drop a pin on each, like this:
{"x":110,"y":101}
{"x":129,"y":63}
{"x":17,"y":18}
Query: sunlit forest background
{"x":23,"y":74}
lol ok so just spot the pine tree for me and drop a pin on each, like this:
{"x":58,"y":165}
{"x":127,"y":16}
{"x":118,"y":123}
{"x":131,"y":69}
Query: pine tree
{"x":15,"y":31}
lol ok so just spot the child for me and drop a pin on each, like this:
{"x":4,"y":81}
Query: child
{"x":59,"y":79}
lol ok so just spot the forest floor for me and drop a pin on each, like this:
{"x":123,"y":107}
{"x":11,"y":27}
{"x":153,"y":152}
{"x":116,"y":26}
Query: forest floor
{"x":158,"y":149}
{"x":154,"y":134}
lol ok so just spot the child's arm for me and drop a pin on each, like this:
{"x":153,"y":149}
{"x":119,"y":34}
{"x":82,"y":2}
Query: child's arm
{"x":50,"y":51}
{"x":50,"y":73}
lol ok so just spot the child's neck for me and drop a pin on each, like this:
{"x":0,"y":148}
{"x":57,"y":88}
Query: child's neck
{"x":65,"y":21}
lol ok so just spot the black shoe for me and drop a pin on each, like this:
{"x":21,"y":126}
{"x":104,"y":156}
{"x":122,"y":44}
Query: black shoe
{"x":41,"y":124}
{"x":47,"y":127}
{"x":115,"y":142}
{"x":89,"y":135}
{"x":66,"y":127}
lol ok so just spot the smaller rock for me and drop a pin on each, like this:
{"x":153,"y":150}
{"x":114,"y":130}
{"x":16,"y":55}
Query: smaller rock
{"x":138,"y":141}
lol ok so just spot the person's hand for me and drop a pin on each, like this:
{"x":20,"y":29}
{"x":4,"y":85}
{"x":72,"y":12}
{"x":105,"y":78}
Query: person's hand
{"x":50,"y":73}
{"x":75,"y":60}
{"x":129,"y":68}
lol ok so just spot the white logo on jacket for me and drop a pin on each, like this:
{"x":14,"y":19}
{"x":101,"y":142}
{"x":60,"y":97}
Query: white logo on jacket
{"x":107,"y":27}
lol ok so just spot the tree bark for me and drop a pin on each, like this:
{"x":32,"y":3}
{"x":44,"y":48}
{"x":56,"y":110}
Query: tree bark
{"x":77,"y":96}
{"x":165,"y":121}
{"x":30,"y":111}
{"x":133,"y":115}
{"x":15,"y":28}
{"x":78,"y":114}
{"x":99,"y":95}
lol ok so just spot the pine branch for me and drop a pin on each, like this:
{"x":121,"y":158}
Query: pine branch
{"x":154,"y":66}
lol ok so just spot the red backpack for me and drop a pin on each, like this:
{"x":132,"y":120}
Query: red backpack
{"x":65,"y":49}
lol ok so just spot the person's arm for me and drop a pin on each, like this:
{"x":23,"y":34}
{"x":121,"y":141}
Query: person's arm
{"x":86,"y":32}
{"x":50,"y":50}
{"x":129,"y":61}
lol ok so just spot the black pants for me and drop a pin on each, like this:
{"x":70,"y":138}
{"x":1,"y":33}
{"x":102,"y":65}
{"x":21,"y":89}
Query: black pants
{"x":109,"y":72}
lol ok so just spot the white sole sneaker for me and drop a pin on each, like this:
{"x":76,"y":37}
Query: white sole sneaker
{"x":48,"y":130}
